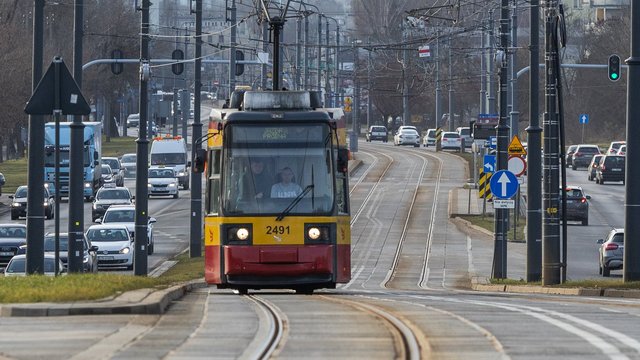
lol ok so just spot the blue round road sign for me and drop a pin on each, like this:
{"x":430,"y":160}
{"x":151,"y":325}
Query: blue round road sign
{"x":503,"y":184}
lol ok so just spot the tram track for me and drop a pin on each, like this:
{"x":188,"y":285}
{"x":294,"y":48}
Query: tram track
{"x":272,"y":330}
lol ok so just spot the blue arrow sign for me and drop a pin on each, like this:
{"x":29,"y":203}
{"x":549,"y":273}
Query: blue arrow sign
{"x":583,"y":118}
{"x":489,"y":163}
{"x":503,"y":184}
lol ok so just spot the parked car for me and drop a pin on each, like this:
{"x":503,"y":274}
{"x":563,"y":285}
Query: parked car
{"x":407,"y":137}
{"x":12,"y":236}
{"x":611,"y":252}
{"x":591,"y":170}
{"x":107,"y":196}
{"x":583,"y":155}
{"x":430,"y":138}
{"x":17,"y":266}
{"x":614,"y":146}
{"x":611,"y":168}
{"x":451,"y":140}
{"x":465,"y":135}
{"x":570,"y":150}
{"x":163,"y":181}
{"x":115,"y":245}
{"x":116,"y":169}
{"x":19,"y":203}
{"x":577,"y":205}
{"x":129,"y":164}
{"x":622,"y":150}
{"x":125,"y":215}
{"x":376,"y":132}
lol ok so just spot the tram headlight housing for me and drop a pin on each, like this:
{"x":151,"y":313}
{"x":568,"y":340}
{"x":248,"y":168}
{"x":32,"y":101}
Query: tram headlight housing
{"x":319,"y":233}
{"x":314,"y":233}
{"x":238,"y":234}
{"x":242,"y":233}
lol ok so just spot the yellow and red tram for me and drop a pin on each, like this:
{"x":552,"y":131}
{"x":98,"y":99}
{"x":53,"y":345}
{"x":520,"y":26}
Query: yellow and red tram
{"x":277,"y":202}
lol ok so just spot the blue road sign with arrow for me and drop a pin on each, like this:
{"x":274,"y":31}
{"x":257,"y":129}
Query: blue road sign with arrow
{"x":583,"y":118}
{"x":503,"y":184}
{"x":489,"y":163}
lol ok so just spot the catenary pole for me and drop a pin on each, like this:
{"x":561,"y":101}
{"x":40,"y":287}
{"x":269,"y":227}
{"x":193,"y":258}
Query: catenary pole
{"x":195,"y":238}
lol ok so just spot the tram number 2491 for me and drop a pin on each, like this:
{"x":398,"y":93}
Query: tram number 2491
{"x":278,"y":230}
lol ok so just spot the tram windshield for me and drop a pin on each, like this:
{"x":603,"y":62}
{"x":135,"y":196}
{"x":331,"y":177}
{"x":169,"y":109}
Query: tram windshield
{"x":268,"y":167}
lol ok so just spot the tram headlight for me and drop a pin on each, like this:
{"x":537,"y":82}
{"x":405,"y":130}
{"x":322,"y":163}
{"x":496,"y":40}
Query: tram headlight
{"x":314,"y":233}
{"x":238,"y":234}
{"x":242,"y":233}
{"x":319,"y":233}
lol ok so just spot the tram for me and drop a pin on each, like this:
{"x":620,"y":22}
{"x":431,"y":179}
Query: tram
{"x":277,"y":201}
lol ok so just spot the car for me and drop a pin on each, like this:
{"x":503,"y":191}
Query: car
{"x":106,"y":174}
{"x":611,"y":252}
{"x":133,"y":120}
{"x":583,"y":155}
{"x":614,"y":146}
{"x":19,"y":203}
{"x":116,"y":169}
{"x":115,"y":245}
{"x":465,"y":134}
{"x":570,"y":150}
{"x":611,"y":168}
{"x":622,"y":150}
{"x":12,"y":236}
{"x":2,"y":182}
{"x":107,"y":196}
{"x":577,"y":205}
{"x":162,"y":181}
{"x":376,"y":132}
{"x":429,"y":138}
{"x":451,"y":140}
{"x":129,"y":164}
{"x":407,"y":137}
{"x":591,"y":170}
{"x":125,"y":215}
{"x":17,"y":266}
{"x":89,"y":256}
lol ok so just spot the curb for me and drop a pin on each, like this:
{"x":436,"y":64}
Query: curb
{"x":142,"y":301}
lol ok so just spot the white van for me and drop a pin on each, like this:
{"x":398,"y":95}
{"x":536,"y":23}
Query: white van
{"x":171,"y":152}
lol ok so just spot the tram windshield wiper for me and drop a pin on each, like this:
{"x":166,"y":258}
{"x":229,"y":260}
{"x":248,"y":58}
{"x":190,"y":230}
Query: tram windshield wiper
{"x":294,"y":202}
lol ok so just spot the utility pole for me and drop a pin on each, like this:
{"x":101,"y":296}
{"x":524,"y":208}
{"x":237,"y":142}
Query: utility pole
{"x":195,"y":237}
{"x":142,"y":156}
{"x":265,"y":49}
{"x":451,"y":91}
{"x":515,"y":129}
{"x":534,"y":156}
{"x":298,"y":52}
{"x":369,"y":84}
{"x":551,"y":266}
{"x":319,"y":74}
{"x":405,"y":86}
{"x":491,"y":96}
{"x":306,"y":52}
{"x":483,"y":72}
{"x":35,"y":199}
{"x":501,"y":215}
{"x":327,"y":73}
{"x":232,"y":47}
{"x":631,"y":271}
{"x":338,"y":97}
{"x":438,"y":101}
{"x":75,"y":223}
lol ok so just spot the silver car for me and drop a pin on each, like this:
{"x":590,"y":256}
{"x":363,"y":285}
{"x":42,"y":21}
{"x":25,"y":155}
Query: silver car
{"x":611,"y":252}
{"x":407,"y":137}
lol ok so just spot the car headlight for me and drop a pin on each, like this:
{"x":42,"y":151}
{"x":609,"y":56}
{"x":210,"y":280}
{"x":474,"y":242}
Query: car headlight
{"x":149,"y":185}
{"x":125,"y":250}
{"x":95,"y":206}
{"x":172,"y":185}
{"x":46,"y":204}
{"x":85,"y":259}
{"x":15,"y":204}
{"x":181,"y":173}
{"x":87,"y":185}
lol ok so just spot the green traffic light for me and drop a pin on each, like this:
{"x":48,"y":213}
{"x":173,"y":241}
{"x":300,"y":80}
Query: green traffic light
{"x":614,"y":76}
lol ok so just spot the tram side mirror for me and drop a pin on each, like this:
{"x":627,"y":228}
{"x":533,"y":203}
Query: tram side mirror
{"x":199,"y":160}
{"x":343,"y":160}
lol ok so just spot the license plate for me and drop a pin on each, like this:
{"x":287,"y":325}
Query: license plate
{"x":105,"y":257}
{"x":4,"y":253}
{"x":616,"y":169}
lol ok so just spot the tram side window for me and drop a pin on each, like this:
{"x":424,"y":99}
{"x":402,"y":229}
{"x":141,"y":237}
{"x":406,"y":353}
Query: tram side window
{"x":212,"y":200}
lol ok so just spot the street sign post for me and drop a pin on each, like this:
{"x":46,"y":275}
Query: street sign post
{"x":503,"y":184}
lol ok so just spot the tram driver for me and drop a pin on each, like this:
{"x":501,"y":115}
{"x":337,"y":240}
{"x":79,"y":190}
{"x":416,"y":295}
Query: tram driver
{"x":256,"y":183}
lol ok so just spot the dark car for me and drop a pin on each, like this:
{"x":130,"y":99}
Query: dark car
{"x":107,"y":196}
{"x":577,"y":205}
{"x":19,"y":203}
{"x":591,"y":170}
{"x":583,"y":155}
{"x":569,"y":154}
{"x":376,"y":133}
{"x":611,"y":252}
{"x":611,"y":168}
{"x":89,"y":252}
{"x":116,"y":169}
{"x":12,"y":236}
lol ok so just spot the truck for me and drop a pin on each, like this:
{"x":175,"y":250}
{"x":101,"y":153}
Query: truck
{"x":91,"y":155}
{"x":171,"y":152}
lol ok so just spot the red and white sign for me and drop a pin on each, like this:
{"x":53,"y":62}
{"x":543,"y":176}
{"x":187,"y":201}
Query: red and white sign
{"x":424,"y":51}
{"x":517,"y":165}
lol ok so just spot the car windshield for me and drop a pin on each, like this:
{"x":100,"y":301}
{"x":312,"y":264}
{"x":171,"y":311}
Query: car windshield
{"x":431,"y":133}
{"x":378,"y":128}
{"x":107,"y":235}
{"x":50,"y":243}
{"x":572,"y":148}
{"x":168,"y":158}
{"x":161,"y":173}
{"x":113,"y":194}
{"x":614,"y":161}
{"x":589,"y":150}
{"x":618,"y":238}
{"x":465,"y":132}
{"x":409,"y":132}
{"x":13,"y":232}
{"x":21,"y":193}
{"x":574,"y":193}
{"x":452,"y":136}
{"x":106,"y":170}
{"x":119,"y":216}
{"x":128,"y":158}
{"x":113,"y":163}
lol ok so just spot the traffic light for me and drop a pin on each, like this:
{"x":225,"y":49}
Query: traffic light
{"x":116,"y":68}
{"x":178,"y":67}
{"x":239,"y":67}
{"x":614,"y":67}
